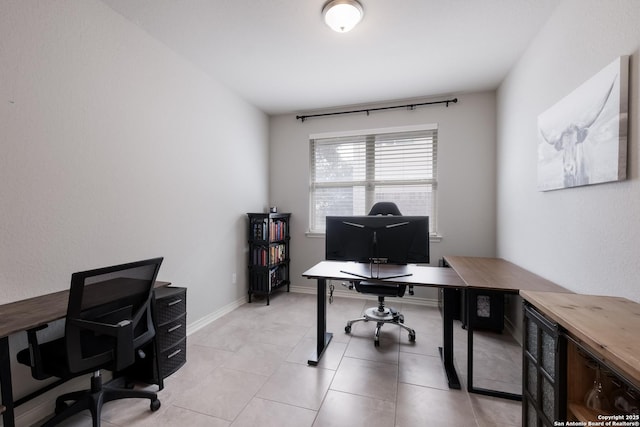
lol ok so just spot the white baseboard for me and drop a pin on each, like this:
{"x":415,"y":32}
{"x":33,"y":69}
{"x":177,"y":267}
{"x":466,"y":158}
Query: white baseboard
{"x":204,"y":321}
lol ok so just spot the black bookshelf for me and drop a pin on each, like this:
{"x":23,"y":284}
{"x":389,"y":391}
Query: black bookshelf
{"x":268,"y":253}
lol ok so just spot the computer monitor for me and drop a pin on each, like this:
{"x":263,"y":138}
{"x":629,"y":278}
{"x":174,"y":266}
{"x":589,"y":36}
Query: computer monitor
{"x":378,"y":239}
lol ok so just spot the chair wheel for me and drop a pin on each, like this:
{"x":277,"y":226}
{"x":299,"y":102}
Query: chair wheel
{"x":412,"y":336}
{"x":155,"y":405}
{"x":347,"y":329}
{"x":376,"y":343}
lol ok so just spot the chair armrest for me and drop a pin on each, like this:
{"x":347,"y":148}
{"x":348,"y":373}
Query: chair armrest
{"x":35,"y":358}
{"x":122,"y":332}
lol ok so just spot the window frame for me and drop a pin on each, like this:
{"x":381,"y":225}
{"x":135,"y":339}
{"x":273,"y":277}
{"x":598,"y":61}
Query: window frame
{"x":369,"y":180}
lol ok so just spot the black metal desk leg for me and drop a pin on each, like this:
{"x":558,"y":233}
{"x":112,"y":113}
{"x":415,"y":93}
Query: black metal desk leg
{"x":470,"y":307}
{"x":323,"y":337}
{"x":471,"y":303}
{"x":5,"y":381}
{"x":446,"y":351}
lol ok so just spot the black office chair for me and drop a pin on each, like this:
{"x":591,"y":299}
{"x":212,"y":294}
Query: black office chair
{"x":108,"y":321}
{"x":382,"y":314}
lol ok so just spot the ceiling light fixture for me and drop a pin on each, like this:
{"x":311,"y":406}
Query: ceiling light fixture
{"x":342,"y":15}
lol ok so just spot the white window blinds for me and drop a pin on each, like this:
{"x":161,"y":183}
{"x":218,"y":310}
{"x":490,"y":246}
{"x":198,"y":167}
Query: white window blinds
{"x":351,"y":173}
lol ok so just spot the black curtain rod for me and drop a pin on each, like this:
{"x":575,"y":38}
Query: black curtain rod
{"x":368,"y":110}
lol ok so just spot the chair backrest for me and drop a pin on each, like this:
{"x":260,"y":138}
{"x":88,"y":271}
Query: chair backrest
{"x":385,"y":208}
{"x":119,"y":294}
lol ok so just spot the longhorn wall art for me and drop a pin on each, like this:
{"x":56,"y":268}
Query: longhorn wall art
{"x":582,"y":139}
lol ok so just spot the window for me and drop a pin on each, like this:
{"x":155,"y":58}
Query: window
{"x":351,"y":172}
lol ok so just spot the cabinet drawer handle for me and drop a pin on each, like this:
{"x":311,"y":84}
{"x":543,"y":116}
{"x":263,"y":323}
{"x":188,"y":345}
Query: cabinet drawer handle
{"x":174,"y":328}
{"x":175,"y":353}
{"x":179,"y":300}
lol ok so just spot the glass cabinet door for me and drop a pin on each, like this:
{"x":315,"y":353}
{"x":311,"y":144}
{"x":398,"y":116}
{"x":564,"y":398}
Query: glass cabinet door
{"x":544,"y":370}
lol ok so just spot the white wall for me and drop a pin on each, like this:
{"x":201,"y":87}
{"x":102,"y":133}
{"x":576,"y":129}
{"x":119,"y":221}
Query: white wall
{"x":113,"y":149}
{"x":586,"y":239}
{"x":466,"y":175}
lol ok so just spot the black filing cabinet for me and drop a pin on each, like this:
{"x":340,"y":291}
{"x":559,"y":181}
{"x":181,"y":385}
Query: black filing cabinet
{"x":170,"y":310}
{"x":485,"y":309}
{"x":171,"y":333}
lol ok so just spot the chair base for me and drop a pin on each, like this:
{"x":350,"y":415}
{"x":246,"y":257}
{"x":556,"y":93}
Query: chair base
{"x":94,"y":399}
{"x":382,"y":315}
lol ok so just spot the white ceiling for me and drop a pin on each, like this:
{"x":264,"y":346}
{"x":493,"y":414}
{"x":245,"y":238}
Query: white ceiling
{"x":280,"y":56}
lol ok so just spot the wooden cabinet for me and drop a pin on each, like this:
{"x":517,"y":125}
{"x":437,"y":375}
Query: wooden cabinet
{"x":268,"y":253}
{"x":591,"y":341}
{"x":588,"y":372}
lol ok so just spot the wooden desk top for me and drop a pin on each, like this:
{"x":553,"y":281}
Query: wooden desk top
{"x":609,"y":326}
{"x":421,"y":275}
{"x":37,"y":311}
{"x":498,"y":274}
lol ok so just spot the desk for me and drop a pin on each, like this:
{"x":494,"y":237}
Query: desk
{"x":499,"y":275}
{"x":21,"y":316}
{"x":441,"y":277}
{"x":590,"y":329}
{"x":607,"y":325}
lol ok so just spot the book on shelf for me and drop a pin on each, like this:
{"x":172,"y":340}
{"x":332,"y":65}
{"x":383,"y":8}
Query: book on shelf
{"x":277,"y":253}
{"x":277,"y":230}
{"x":259,"y":228}
{"x":277,"y":275}
{"x":273,"y":229}
{"x":264,"y":256}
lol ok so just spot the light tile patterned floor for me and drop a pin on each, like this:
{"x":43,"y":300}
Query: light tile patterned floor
{"x":250,"y":369}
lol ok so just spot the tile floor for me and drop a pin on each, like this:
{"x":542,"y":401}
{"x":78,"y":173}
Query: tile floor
{"x":249,"y":368}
